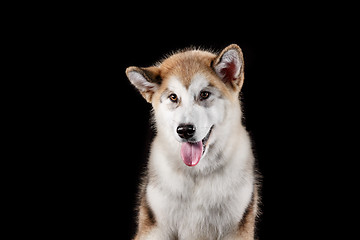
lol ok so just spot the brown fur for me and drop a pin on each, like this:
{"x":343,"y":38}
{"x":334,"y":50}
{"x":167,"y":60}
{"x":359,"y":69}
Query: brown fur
{"x":146,"y":219}
{"x":246,"y":229}
{"x":184,"y":65}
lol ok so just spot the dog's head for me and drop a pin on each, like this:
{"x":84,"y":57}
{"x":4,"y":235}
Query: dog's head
{"x":190,"y":92}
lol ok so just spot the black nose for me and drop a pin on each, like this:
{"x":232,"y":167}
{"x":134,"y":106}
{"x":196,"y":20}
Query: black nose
{"x":185,"y":131}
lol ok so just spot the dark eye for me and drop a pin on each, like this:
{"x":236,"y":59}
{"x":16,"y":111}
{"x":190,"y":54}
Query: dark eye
{"x":173,"y":97}
{"x":204,"y":95}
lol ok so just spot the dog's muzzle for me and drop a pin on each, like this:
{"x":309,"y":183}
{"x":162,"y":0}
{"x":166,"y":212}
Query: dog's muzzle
{"x":192,"y":152}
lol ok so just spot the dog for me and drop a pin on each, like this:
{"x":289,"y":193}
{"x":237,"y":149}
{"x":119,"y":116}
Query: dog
{"x":201,"y":181}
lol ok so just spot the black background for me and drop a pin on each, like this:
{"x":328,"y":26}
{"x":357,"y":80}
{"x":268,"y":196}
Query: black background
{"x":98,"y":126}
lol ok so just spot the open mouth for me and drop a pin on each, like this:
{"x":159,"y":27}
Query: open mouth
{"x":191,"y":152}
{"x":206,"y":139}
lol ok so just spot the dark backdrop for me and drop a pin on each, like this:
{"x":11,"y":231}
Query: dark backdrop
{"x":111,"y":128}
{"x":103,"y":122}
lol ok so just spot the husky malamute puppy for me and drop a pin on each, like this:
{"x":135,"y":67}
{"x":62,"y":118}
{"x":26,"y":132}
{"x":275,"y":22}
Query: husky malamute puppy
{"x":200,"y":181}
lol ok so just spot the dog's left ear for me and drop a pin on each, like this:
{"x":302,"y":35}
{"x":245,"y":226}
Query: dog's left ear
{"x":229,"y":66}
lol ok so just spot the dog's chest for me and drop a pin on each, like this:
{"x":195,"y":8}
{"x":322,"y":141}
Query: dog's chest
{"x":204,"y":207}
{"x":204,"y":211}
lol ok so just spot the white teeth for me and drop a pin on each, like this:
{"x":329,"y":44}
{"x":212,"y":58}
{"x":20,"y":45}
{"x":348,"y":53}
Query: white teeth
{"x":206,"y":138}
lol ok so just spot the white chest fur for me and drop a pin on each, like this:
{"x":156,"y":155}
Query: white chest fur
{"x":200,"y":207}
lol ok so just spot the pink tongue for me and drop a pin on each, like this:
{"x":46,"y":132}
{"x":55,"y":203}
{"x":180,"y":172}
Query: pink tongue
{"x":191,"y":153}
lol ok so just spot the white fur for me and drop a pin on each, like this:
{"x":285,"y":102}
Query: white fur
{"x":206,"y":201}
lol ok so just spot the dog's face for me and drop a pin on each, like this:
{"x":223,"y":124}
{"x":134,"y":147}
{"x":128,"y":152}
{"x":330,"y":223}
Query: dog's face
{"x":190,"y":92}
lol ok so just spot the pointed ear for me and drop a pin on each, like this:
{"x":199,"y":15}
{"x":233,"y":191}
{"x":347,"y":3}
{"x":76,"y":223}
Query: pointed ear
{"x":146,"y":80}
{"x":229,"y":66}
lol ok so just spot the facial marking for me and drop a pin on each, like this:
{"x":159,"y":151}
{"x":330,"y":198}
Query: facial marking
{"x":193,"y":94}
{"x":190,"y":107}
{"x":199,"y":86}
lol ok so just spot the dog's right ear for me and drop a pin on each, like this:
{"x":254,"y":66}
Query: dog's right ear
{"x":146,"y":80}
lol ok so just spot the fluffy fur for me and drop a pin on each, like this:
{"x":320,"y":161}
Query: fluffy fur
{"x":216,"y":198}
